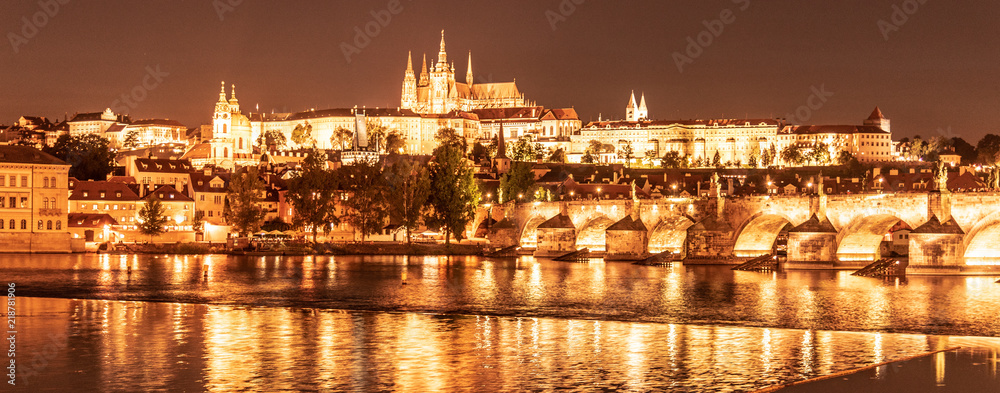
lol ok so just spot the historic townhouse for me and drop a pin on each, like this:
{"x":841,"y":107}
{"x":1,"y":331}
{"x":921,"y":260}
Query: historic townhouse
{"x":33,"y":192}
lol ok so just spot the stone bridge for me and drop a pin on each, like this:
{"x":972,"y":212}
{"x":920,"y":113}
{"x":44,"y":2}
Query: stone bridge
{"x":944,"y":229}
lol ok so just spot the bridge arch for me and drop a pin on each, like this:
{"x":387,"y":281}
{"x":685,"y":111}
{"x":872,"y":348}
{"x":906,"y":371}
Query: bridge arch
{"x":593,"y":234}
{"x":669,"y":234}
{"x":981,"y":246}
{"x":529,"y":233}
{"x":757,"y":235}
{"x":861,"y":238}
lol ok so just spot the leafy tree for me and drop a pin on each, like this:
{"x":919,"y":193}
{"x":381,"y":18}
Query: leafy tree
{"x":377,"y":132}
{"x":518,"y":184}
{"x":410,"y":183}
{"x":752,"y":163}
{"x":272,"y":140}
{"x":90,"y":155}
{"x":988,"y":149}
{"x":367,"y":198}
{"x":450,"y":137}
{"x":302,"y":134}
{"x":313,"y":193}
{"x":592,"y":153}
{"x":820,"y":154}
{"x":558,"y":155}
{"x":491,"y":148}
{"x":673,"y":160}
{"x":964,"y":149}
{"x":627,"y":153}
{"x":342,"y":138}
{"x":844,"y":157}
{"x":524,"y":150}
{"x":276,"y":224}
{"x":792,"y":155}
{"x":131,"y":140}
{"x":454,"y":193}
{"x":152,"y":218}
{"x":395,"y":143}
{"x":245,"y":193}
{"x":198,"y":224}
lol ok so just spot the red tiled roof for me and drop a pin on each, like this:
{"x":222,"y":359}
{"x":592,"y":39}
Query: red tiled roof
{"x":112,"y":191}
{"x":83,"y":220}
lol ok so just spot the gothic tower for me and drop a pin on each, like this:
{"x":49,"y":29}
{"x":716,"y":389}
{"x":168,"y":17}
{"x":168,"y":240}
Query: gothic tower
{"x":409,"y":100}
{"x":642,"y":113}
{"x":630,"y":110}
{"x":468,"y":75}
{"x":877,"y":119}
{"x":441,"y":74}
{"x":221,"y":119}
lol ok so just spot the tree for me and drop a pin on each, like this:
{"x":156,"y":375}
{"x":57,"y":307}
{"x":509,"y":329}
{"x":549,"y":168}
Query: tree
{"x":988,"y":148}
{"x":518,"y":184}
{"x":302,"y":134}
{"x":450,"y":137}
{"x":844,"y":157}
{"x":820,"y":154}
{"x":152,"y":218}
{"x":275,"y":224}
{"x":410,"y":183}
{"x":377,"y":132}
{"x":717,"y":160}
{"x":454,"y":193}
{"x":964,"y":149}
{"x":367,"y":200}
{"x":791,"y":155}
{"x":673,"y":160}
{"x":342,"y":138}
{"x":524,"y":150}
{"x":198,"y":224}
{"x":313,"y":193}
{"x":592,"y":153}
{"x":627,"y":153}
{"x":90,"y":156}
{"x":272,"y":140}
{"x":558,"y":155}
{"x":245,"y":193}
{"x":394,"y":143}
{"x":131,"y":140}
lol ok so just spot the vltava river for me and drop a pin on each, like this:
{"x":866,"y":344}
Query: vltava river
{"x":218,"y":323}
{"x":818,"y":300}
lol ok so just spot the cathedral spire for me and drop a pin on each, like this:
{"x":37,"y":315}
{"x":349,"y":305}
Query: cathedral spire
{"x":222,"y":92}
{"x":442,"y":55}
{"x":642,"y":102}
{"x":424,"y":79}
{"x":468,"y":75}
{"x":631,"y":100}
{"x":409,"y":62}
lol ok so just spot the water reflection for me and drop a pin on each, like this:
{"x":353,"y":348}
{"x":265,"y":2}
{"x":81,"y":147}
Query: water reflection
{"x":816,"y":300}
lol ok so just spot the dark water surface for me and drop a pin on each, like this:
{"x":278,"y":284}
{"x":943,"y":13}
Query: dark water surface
{"x":527,"y":287}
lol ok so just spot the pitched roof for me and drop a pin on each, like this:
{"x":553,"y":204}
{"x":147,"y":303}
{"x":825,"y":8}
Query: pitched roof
{"x":834,"y":129}
{"x":27,"y":155}
{"x":560,"y":221}
{"x":935,"y":226}
{"x":876,"y":114}
{"x":163,"y":166}
{"x":102,"y":191}
{"x":170,"y":194}
{"x":83,"y":220}
{"x":814,"y":225}
{"x":628,"y":224}
{"x":158,"y":122}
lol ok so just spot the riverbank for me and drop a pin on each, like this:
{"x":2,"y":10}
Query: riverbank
{"x":303,"y":249}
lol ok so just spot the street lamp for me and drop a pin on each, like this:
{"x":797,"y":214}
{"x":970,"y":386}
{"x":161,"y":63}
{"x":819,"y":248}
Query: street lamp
{"x":598,"y":193}
{"x":674,"y":187}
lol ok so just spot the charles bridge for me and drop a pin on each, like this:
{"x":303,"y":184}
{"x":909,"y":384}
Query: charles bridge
{"x":947,"y":231}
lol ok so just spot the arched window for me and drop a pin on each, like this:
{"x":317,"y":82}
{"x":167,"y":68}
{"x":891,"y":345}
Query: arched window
{"x":241,"y":143}
{"x":45,"y":182}
{"x":24,"y":224}
{"x":225,"y":128}
{"x":1,"y":224}
{"x":40,"y":225}
{"x":225,"y":152}
{"x":45,"y":201}
{"x":12,"y":224}
{"x":58,"y":225}
{"x":48,"y":225}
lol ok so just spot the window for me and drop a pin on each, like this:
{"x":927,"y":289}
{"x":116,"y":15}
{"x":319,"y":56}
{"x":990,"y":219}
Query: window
{"x":39,"y":225}
{"x":48,"y":225}
{"x":13,"y":181}
{"x":102,"y":194}
{"x":118,"y":194}
{"x":210,"y":213}
{"x":86,"y":194}
{"x":58,"y":225}
{"x":3,"y":202}
{"x":24,"y":181}
{"x":201,"y":198}
{"x":1,"y":224}
{"x":3,"y":180}
{"x":45,"y":201}
{"x":12,"y":224}
{"x":45,"y":182}
{"x":24,"y":202}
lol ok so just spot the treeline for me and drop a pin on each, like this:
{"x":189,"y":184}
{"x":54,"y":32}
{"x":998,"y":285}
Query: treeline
{"x":441,"y":194}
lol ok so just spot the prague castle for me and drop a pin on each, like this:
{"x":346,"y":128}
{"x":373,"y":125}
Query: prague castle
{"x":437,"y":92}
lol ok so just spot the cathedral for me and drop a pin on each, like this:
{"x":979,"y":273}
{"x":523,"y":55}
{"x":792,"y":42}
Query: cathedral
{"x":231,"y":143}
{"x":437,"y":92}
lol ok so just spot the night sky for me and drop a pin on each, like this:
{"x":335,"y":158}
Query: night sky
{"x":936,"y":72}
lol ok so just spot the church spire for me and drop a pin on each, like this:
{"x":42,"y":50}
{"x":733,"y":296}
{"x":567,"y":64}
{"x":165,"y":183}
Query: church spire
{"x":442,"y":55}
{"x":642,"y":102}
{"x":222,"y":92}
{"x":409,"y":62}
{"x":424,"y":79}
{"x":468,"y":75}
{"x":631,"y":100}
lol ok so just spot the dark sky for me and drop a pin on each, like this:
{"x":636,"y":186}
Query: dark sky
{"x":938,"y":70}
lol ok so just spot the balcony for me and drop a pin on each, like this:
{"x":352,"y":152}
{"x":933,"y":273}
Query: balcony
{"x":50,"y":212}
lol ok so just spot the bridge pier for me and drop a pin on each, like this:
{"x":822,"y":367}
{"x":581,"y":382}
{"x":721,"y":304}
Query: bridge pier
{"x":936,"y":244}
{"x":812,"y":243}
{"x":627,"y":240}
{"x":556,"y":237}
{"x":710,"y":238}
{"x":504,"y":234}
